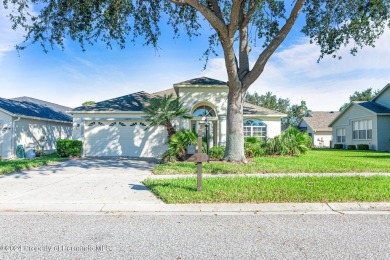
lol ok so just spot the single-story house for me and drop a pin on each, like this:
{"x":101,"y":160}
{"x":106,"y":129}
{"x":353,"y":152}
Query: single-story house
{"x":116,"y":127}
{"x":316,"y":125}
{"x":33,"y":122}
{"x":365,"y":122}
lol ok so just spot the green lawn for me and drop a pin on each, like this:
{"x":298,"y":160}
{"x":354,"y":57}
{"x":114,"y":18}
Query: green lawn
{"x":273,"y":189}
{"x":315,"y":161}
{"x":8,"y":166}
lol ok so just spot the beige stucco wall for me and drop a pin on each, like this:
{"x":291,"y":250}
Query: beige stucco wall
{"x":5,"y":135}
{"x":355,"y":112}
{"x":215,"y":96}
{"x":29,"y":131}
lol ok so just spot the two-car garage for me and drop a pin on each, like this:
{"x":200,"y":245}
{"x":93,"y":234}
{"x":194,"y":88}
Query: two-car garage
{"x":123,"y":138}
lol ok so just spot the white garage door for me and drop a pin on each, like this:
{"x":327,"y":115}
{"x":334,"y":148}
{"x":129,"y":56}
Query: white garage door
{"x":123,"y":138}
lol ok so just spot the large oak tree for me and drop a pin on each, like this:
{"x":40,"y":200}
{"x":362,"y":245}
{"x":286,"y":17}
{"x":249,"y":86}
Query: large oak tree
{"x":237,"y":25}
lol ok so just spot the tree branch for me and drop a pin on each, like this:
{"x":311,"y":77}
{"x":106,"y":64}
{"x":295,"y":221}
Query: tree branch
{"x":211,"y":17}
{"x":217,"y":9}
{"x":258,"y":68}
{"x":251,"y":10}
{"x":243,"y":52}
{"x":234,"y":17}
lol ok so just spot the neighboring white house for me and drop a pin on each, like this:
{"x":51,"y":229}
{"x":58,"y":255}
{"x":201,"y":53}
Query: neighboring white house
{"x":116,"y":127}
{"x":34,"y":122}
{"x":365,"y":122}
{"x":316,"y":125}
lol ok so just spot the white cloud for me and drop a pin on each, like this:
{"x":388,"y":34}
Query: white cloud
{"x":294,"y":73}
{"x":9,"y":37}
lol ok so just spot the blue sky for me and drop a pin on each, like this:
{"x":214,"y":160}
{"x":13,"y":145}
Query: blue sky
{"x":71,"y":76}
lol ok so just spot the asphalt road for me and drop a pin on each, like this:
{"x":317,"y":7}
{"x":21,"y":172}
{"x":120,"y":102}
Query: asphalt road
{"x":66,"y":236}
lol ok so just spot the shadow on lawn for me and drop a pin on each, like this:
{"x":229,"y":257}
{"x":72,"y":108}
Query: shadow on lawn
{"x":156,"y":186}
{"x":387,"y":157}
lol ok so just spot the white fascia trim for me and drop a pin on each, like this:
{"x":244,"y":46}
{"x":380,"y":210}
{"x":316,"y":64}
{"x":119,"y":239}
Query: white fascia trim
{"x":7,"y":112}
{"x":105,"y":112}
{"x":43,"y":119}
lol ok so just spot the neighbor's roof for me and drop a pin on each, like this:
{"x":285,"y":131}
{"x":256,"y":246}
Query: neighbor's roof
{"x":374,"y":107}
{"x":201,"y":82}
{"x":320,"y":120}
{"x":30,"y":109}
{"x":371,"y":106}
{"x":133,"y":102}
{"x":53,"y":106}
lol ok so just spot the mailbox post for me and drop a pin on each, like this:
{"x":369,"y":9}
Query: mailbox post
{"x":199,"y":158}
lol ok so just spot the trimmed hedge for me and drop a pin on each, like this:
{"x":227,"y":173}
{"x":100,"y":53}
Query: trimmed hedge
{"x":338,"y":146}
{"x":66,"y":148}
{"x":363,"y":147}
{"x":351,"y":147}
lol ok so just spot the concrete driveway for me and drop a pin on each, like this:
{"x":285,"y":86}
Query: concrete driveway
{"x":89,"y":184}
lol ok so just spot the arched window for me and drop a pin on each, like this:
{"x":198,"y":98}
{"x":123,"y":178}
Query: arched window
{"x":203,"y":110}
{"x":255,"y":128}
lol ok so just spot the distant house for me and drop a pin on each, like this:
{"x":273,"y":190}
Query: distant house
{"x":33,"y":122}
{"x":366,"y":122}
{"x":316,"y":125}
{"x":116,"y":127}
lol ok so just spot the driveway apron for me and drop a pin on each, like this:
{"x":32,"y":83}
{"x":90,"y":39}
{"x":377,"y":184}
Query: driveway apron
{"x":88,"y":183}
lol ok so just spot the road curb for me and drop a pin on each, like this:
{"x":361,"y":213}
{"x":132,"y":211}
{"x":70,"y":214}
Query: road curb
{"x":205,"y":209}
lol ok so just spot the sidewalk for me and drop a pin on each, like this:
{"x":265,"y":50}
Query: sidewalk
{"x":207,"y":175}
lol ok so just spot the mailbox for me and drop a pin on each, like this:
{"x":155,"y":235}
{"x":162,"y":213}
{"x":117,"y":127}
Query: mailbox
{"x":191,"y":148}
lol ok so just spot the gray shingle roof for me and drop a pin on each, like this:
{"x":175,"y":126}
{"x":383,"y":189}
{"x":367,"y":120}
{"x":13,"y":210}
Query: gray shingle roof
{"x":374,"y":107}
{"x":203,"y":81}
{"x":319,"y":120}
{"x":137,"y":101}
{"x":30,"y":109}
{"x":53,"y":106}
{"x":133,"y":102}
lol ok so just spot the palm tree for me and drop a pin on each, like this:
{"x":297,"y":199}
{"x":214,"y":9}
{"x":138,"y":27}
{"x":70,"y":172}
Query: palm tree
{"x":161,"y":111}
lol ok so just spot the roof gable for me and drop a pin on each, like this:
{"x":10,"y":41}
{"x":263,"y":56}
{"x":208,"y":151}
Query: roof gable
{"x":29,"y":109}
{"x":201,"y":82}
{"x":381,"y":92}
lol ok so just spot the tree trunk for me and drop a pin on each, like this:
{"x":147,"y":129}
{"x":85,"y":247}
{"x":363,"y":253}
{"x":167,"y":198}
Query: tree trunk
{"x":170,"y":129}
{"x":234,"y":151}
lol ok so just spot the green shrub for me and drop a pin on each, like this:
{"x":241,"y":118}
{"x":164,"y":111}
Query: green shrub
{"x":253,"y":147}
{"x":363,"y":147}
{"x":291,"y":142}
{"x":67,"y":148}
{"x":217,"y":152}
{"x":338,"y":146}
{"x":351,"y":147}
{"x":177,"y":145}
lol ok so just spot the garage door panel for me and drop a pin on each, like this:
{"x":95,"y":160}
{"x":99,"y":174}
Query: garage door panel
{"x":127,"y":138}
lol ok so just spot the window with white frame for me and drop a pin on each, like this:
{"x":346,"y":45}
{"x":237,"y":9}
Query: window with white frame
{"x":340,"y":133}
{"x":255,"y":128}
{"x":362,"y":130}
